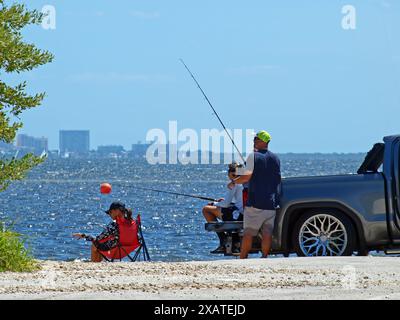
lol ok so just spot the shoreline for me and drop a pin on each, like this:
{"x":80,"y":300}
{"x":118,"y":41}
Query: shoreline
{"x":253,"y":279}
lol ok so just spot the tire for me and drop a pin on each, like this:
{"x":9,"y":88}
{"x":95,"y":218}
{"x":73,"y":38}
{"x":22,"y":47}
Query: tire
{"x":324,"y":232}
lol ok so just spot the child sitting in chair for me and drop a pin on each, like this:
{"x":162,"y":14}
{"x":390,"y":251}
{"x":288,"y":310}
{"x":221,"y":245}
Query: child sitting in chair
{"x":109,"y":238}
{"x":229,"y":208}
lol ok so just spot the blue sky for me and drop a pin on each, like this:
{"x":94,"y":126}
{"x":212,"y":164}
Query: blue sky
{"x":284,"y":66}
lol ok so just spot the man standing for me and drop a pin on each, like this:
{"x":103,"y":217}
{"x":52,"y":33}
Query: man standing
{"x":263,"y":174}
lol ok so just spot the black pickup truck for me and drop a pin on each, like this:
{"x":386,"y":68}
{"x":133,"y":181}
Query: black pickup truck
{"x":340,"y":214}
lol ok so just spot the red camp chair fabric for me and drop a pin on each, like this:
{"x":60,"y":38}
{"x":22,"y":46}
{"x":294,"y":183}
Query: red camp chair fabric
{"x":128,"y":232}
{"x":128,"y":240}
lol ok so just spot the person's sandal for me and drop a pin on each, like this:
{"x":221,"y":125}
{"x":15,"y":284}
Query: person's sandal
{"x":220,"y":249}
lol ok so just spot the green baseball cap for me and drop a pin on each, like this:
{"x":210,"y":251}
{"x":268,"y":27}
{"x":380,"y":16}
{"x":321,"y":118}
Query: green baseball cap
{"x":264,"y":136}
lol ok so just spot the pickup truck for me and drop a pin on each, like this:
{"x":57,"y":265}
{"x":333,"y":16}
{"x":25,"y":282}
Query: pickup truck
{"x":337,"y":215}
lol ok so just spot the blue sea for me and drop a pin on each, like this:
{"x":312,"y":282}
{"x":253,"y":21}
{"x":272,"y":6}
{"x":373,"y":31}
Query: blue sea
{"x":62,"y":196}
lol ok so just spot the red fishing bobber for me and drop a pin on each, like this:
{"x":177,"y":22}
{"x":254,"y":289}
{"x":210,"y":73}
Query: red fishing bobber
{"x":105,"y":188}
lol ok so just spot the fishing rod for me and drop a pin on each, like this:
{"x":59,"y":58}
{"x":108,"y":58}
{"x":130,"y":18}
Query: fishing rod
{"x":177,"y":194}
{"x":215,"y":112}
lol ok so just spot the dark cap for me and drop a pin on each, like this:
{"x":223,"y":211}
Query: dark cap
{"x":116,"y":205}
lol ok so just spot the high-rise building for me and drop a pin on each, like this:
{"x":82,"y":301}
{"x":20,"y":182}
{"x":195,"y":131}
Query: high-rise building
{"x":139,"y":149}
{"x":74,"y":142}
{"x":32,"y":144}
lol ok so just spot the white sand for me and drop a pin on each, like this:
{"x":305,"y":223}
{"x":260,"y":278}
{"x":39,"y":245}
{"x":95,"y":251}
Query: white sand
{"x":281,"y":278}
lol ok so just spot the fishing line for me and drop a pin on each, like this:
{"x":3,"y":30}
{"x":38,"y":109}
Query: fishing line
{"x":215,"y":112}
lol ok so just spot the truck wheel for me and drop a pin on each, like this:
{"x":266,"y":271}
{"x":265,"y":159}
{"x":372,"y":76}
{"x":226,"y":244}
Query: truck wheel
{"x":324,"y":232}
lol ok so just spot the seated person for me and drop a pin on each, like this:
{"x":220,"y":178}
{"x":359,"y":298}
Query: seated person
{"x":109,"y":238}
{"x":228,"y":209}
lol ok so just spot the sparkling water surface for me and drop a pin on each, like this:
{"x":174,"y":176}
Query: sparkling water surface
{"x":62,"y":196}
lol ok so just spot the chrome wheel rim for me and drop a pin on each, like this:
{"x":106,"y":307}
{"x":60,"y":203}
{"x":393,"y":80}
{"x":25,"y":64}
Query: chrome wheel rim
{"x":323,"y":235}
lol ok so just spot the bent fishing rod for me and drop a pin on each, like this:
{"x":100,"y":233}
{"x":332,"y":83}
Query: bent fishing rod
{"x":215,"y":112}
{"x":176,"y":193}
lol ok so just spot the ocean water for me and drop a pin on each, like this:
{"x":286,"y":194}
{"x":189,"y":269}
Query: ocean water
{"x":62,"y":196}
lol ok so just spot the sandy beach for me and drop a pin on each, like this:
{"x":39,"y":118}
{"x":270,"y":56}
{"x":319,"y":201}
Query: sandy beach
{"x":280,"y":278}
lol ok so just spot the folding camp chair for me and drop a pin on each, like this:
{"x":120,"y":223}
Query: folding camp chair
{"x":131,"y":241}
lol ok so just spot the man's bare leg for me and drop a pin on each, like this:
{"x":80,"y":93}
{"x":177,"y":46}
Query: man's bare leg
{"x":211,"y":213}
{"x":96,"y":256}
{"x":247,"y":242}
{"x":266,"y":244}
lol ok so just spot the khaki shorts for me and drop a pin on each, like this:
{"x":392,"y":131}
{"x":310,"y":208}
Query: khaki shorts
{"x":255,"y":220}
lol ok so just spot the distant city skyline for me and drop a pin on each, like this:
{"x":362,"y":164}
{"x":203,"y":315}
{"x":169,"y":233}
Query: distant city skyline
{"x":56,"y":145}
{"x":37,"y":145}
{"x":139,"y":147}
